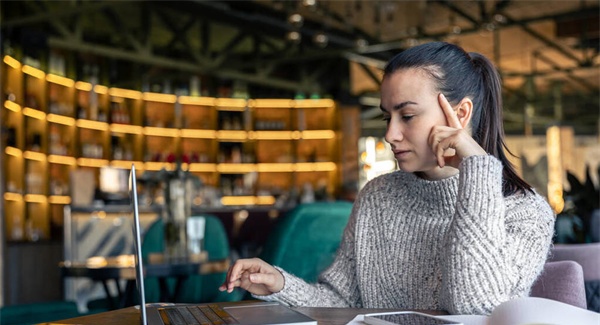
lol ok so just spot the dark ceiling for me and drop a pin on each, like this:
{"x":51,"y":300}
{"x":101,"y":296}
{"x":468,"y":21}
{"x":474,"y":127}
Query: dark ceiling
{"x":547,"y":51}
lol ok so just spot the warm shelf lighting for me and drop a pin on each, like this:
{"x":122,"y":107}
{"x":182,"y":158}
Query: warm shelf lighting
{"x":8,"y":196}
{"x":59,"y":80}
{"x":265,"y":200}
{"x":238,"y":200}
{"x":272,"y":135}
{"x":202,"y":168}
{"x":203,"y":101}
{"x":232,"y":135}
{"x":60,"y":119}
{"x":37,"y":114}
{"x":12,"y":106}
{"x":158,"y":97}
{"x":317,"y":134}
{"x":35,"y":198}
{"x":37,"y":73}
{"x":316,"y":167}
{"x":126,"y":128}
{"x":198,"y":134}
{"x":59,"y":199}
{"x":89,"y":124}
{"x":119,"y":92}
{"x":236,"y":168}
{"x":63,"y":160}
{"x":83,"y":86}
{"x":126,"y":164}
{"x":271,"y":103}
{"x":12,"y":151}
{"x":12,"y":62}
{"x":92,"y":162}
{"x":282,"y":167}
{"x":99,"y":89}
{"x":248,"y":200}
{"x":32,"y":155}
{"x":231,"y":104}
{"x":161,"y":132}
{"x":154,"y":166}
{"x":313,"y":103}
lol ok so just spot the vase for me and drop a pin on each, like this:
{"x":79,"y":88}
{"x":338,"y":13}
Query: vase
{"x":176,"y":211}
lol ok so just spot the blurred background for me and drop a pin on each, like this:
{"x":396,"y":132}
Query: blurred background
{"x":265,"y":104}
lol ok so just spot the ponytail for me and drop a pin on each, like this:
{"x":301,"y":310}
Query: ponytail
{"x":459,"y":74}
{"x":490,"y":132}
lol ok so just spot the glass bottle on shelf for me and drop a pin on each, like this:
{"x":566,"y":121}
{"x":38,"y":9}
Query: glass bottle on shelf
{"x":35,"y":143}
{"x":17,"y":228}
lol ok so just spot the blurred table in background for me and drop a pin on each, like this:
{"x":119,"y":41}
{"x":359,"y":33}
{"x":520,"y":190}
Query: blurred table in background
{"x":115,"y":269}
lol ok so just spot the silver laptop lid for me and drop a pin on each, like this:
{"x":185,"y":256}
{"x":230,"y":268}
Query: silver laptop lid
{"x":139,"y":268}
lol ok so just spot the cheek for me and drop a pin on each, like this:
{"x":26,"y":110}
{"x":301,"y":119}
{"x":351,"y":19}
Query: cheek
{"x":421,"y":131}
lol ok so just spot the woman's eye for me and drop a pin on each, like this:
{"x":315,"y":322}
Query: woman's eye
{"x":407,"y":117}
{"x":386,"y":119}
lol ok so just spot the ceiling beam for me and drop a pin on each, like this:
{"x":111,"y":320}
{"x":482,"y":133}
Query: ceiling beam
{"x":538,"y":55}
{"x":45,"y":16}
{"x":548,"y":42}
{"x":145,"y":58}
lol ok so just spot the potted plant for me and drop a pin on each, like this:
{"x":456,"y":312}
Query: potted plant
{"x":582,"y":207}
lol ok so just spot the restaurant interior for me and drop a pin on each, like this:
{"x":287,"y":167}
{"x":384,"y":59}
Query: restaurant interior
{"x":252,"y":126}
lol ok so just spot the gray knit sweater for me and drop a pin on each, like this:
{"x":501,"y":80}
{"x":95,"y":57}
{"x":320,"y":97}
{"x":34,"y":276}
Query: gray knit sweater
{"x":455,"y":244}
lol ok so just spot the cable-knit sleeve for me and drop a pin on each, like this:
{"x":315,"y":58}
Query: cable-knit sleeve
{"x":496,"y":245}
{"x":337,"y":286}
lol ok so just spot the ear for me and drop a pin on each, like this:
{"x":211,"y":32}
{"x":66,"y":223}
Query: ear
{"x":464,"y":111}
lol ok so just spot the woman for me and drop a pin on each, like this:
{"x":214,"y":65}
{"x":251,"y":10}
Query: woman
{"x":455,"y":229}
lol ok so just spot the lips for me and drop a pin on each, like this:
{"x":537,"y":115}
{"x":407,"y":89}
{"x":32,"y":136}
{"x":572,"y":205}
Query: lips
{"x":400,"y":153}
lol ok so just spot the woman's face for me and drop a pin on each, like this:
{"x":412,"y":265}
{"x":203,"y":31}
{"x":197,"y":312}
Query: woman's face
{"x":409,"y":101}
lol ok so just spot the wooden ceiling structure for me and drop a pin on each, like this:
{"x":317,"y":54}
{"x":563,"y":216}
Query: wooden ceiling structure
{"x":546,"y":51}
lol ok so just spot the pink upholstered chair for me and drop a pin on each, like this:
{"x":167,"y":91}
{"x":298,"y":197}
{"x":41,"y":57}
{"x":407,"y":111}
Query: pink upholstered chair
{"x":588,"y":256}
{"x":561,"y":281}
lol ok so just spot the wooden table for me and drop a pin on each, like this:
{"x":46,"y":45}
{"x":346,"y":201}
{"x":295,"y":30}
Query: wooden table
{"x":105,"y":269}
{"x":324,"y":316}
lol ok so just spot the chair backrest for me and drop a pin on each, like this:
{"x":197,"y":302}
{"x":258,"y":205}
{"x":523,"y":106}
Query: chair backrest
{"x":304,"y":241}
{"x":588,"y":256}
{"x":561,"y":281}
{"x":199,"y":288}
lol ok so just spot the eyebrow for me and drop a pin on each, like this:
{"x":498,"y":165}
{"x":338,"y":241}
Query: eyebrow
{"x":398,"y":106}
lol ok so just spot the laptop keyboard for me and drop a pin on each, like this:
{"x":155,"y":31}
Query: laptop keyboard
{"x":193,"y":315}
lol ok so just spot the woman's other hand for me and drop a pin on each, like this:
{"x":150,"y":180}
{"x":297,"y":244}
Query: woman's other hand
{"x":451,"y":143}
{"x":254,"y":275}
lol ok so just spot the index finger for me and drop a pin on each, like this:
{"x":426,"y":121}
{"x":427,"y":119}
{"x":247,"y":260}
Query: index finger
{"x":451,"y":116}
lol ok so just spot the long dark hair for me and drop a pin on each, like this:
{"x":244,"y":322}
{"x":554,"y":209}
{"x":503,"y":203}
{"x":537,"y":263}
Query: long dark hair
{"x":459,"y":74}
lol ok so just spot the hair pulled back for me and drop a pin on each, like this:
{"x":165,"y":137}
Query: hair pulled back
{"x":458,"y":74}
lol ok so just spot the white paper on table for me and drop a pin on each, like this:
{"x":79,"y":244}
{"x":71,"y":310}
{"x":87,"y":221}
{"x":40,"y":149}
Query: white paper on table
{"x":521,"y":311}
{"x":465,"y":319}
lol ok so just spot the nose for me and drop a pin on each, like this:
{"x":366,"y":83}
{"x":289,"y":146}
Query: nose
{"x":393,"y":133}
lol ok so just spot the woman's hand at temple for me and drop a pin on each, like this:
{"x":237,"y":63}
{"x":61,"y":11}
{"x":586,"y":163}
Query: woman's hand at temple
{"x":254,"y":275}
{"x":452,"y":143}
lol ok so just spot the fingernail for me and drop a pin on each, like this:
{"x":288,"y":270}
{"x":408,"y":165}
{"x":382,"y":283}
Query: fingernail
{"x":252,"y":277}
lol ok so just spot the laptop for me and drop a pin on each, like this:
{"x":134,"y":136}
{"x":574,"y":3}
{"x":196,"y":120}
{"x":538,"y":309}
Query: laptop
{"x":250,"y":313}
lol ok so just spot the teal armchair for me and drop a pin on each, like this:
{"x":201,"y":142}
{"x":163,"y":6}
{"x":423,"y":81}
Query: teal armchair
{"x":197,"y":288}
{"x":305,"y":240}
{"x":40,"y":312}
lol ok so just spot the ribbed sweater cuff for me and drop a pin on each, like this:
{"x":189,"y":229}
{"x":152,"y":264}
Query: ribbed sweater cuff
{"x":292,"y":290}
